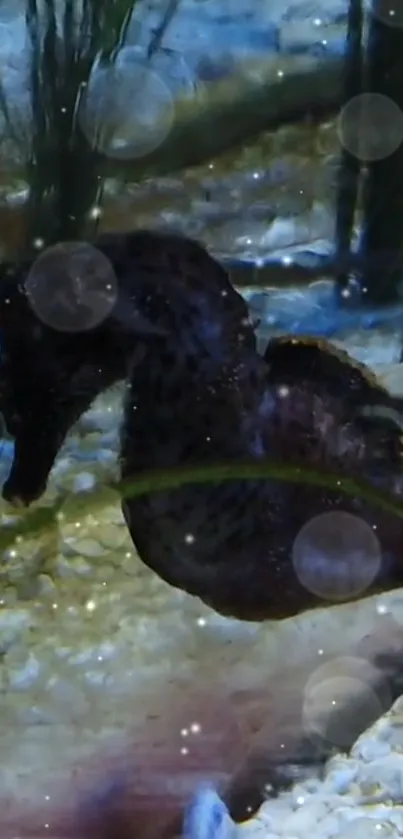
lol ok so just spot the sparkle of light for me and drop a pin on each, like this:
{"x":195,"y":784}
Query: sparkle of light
{"x":95,"y":213}
{"x":195,"y":728}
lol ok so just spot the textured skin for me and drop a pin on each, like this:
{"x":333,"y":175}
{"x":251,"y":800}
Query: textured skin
{"x":48,"y":379}
{"x":199,"y":393}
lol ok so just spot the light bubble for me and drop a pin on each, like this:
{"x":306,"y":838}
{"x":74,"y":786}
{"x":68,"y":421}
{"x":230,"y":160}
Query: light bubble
{"x":387,"y":11}
{"x":326,"y":712}
{"x":340,"y":700}
{"x":195,"y":728}
{"x":126,"y":111}
{"x":72,"y":287}
{"x":344,"y":666}
{"x":336,"y":556}
{"x":370,"y":126}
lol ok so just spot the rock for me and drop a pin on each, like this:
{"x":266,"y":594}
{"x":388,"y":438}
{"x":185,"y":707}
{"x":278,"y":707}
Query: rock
{"x":14,"y":624}
{"x":143,"y":633}
{"x":392,"y":377}
{"x":360,"y":796}
{"x":207,"y":817}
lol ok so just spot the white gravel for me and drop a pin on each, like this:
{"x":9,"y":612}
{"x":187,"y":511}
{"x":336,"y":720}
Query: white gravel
{"x":361,"y":795}
{"x":89,"y":638}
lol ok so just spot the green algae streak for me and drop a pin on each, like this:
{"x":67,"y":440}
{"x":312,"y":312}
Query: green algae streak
{"x":68,"y":507}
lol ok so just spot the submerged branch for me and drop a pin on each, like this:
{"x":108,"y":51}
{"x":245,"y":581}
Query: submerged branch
{"x":68,"y":507}
{"x":62,"y":169}
{"x":237,"y":110}
{"x":234,"y":111}
{"x":382,"y":212}
{"x":350,"y":164}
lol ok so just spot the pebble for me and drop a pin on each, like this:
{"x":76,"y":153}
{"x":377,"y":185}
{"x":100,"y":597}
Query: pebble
{"x":383,"y":776}
{"x":84,"y":482}
{"x":341,"y":774}
{"x":23,"y":678}
{"x":305,"y":819}
{"x":13,"y":623}
{"x":366,"y":828}
{"x":207,"y":817}
{"x":95,"y":640}
{"x":360,"y":797}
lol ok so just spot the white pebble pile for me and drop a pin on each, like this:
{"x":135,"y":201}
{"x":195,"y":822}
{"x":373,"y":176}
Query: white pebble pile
{"x":360,"y":797}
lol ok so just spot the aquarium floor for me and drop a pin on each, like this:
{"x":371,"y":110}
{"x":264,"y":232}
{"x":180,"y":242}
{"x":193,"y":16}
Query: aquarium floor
{"x":89,"y":638}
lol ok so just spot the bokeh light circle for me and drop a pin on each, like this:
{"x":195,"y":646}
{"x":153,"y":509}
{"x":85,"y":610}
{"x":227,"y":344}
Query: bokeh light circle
{"x":126,"y":111}
{"x":326,"y":712}
{"x":72,"y":287}
{"x":336,"y":556}
{"x":370,"y":126}
{"x":340,"y":700}
{"x":387,"y":11}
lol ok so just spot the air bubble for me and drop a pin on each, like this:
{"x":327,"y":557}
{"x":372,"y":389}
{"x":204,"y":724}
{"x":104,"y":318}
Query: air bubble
{"x":336,"y":556}
{"x":370,"y":126}
{"x":72,"y":287}
{"x":340,"y":700}
{"x":126,"y":111}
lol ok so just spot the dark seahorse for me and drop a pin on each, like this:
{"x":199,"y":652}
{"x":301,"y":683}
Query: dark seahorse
{"x":49,"y":378}
{"x":199,"y":392}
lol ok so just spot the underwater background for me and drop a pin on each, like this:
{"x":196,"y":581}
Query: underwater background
{"x":130,"y":708}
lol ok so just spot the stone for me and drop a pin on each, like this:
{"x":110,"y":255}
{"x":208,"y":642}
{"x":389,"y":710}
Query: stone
{"x":369,"y":792}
